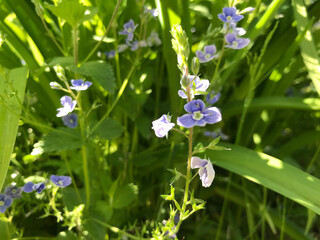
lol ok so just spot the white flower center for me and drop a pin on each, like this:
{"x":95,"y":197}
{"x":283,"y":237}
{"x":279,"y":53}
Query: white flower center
{"x":235,"y":43}
{"x":1,"y":203}
{"x":60,"y":182}
{"x":129,"y":30}
{"x":229,"y":18}
{"x":207,"y":56}
{"x":197,"y":115}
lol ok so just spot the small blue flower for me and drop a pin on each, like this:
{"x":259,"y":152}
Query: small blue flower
{"x":110,"y":54}
{"x":5,"y":202}
{"x":229,"y":15}
{"x":198,"y":115}
{"x":39,"y":187}
{"x":153,"y":11}
{"x":134,"y":45}
{"x":80,"y":85}
{"x":13,"y":192}
{"x":235,"y":42}
{"x":68,"y":106}
{"x":70,"y":120}
{"x":162,"y":126}
{"x":128,"y":30}
{"x":232,"y":27}
{"x":61,"y":181}
{"x":206,"y":171}
{"x":153,"y":40}
{"x":208,"y":54}
{"x":28,"y":187}
{"x":213,"y":97}
{"x":197,"y":86}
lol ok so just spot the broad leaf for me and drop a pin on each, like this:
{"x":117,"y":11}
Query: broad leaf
{"x":99,"y":71}
{"x":62,"y":139}
{"x":72,"y":11}
{"x":125,"y":195}
{"x":108,"y":129}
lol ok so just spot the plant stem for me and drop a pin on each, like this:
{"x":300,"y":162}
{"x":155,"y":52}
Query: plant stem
{"x":107,"y":30}
{"x":218,"y":63}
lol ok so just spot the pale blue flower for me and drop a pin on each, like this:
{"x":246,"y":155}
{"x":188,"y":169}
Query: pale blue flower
{"x":68,"y":106}
{"x":208,"y":54}
{"x":5,"y":202}
{"x":80,"y":85}
{"x":229,"y":15}
{"x":70,"y":120}
{"x":29,"y":187}
{"x":153,"y":39}
{"x":162,"y":126}
{"x":110,"y":54}
{"x":128,"y":29}
{"x":198,"y":115}
{"x":153,"y":11}
{"x":206,"y":171}
{"x":213,"y":97}
{"x":13,"y":191}
{"x":197,"y":86}
{"x":61,"y":181}
{"x":236,"y":43}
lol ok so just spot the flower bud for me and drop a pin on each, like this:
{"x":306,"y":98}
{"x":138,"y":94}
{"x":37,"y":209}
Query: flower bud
{"x":195,"y":66}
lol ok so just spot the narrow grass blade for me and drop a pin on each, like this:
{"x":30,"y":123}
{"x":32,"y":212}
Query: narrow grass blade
{"x":307,"y":46}
{"x":9,"y":115}
{"x":272,"y":173}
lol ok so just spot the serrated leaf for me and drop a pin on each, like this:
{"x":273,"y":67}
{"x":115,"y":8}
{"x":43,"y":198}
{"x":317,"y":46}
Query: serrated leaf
{"x":125,"y":195}
{"x":99,"y":71}
{"x":72,"y":11}
{"x":108,"y":129}
{"x":62,"y":139}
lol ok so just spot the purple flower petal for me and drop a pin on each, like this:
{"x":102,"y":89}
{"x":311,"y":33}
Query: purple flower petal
{"x":194,"y":105}
{"x":186,"y":121}
{"x":68,"y":106}
{"x":13,"y":191}
{"x":197,"y":162}
{"x":212,"y":115}
{"x":70,"y":120}
{"x":39,"y":187}
{"x":162,"y":126}
{"x":61,"y":181}
{"x":28,"y":187}
{"x":80,"y":85}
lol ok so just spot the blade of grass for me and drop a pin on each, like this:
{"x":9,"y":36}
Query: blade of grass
{"x":307,"y":46}
{"x":272,"y":173}
{"x":10,"y":121}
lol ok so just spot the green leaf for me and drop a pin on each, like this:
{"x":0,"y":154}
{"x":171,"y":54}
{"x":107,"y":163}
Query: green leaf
{"x":72,"y":11}
{"x":9,"y":114}
{"x":62,"y":139}
{"x":103,"y":210}
{"x":214,"y":142}
{"x":308,"y":48}
{"x":62,"y":61}
{"x":108,"y":129}
{"x":272,"y":173}
{"x":99,"y":71}
{"x":125,"y":195}
{"x":257,"y":104}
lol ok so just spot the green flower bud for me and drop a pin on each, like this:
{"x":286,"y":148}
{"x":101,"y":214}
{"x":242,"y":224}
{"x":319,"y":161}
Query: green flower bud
{"x":195,"y":66}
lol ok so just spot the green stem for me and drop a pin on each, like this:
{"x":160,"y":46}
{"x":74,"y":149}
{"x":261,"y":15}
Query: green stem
{"x":119,"y":231}
{"x":121,"y":90}
{"x":218,"y":63}
{"x":107,"y":30}
{"x":224,"y":207}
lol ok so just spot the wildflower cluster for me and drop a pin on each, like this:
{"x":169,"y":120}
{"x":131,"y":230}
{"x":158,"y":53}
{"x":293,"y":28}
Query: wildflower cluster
{"x":197,"y":114}
{"x":132,"y":43}
{"x":13,"y":192}
{"x":68,"y":103}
